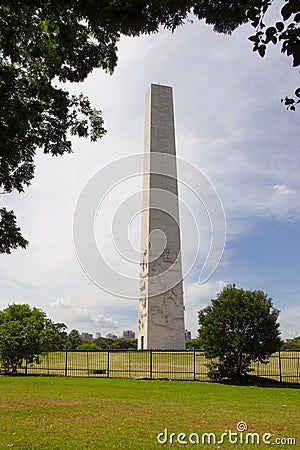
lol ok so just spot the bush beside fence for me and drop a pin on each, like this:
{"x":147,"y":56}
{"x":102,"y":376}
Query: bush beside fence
{"x":175,"y":365}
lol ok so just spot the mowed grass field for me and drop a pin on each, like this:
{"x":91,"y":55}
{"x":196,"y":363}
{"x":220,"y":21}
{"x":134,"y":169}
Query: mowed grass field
{"x":57,"y":413}
{"x":173,"y":365}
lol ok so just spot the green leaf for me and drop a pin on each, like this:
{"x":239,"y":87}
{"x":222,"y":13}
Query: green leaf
{"x":262,"y":50}
{"x":279,"y":26}
{"x":271,"y":31}
{"x":296,"y":55}
{"x":274,"y":40}
{"x":270,"y":35}
{"x":286,"y":11}
{"x":289,"y":101}
{"x":253,"y":38}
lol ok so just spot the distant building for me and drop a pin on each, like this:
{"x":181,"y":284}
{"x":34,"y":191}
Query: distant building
{"x":88,"y":336}
{"x":128,"y":334}
{"x":111,"y":336}
{"x":188,"y":335}
{"x":98,"y":334}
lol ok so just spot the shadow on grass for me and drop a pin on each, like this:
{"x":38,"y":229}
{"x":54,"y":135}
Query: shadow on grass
{"x":253,"y":380}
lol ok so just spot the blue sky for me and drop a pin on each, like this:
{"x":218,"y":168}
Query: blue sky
{"x":230,"y":124}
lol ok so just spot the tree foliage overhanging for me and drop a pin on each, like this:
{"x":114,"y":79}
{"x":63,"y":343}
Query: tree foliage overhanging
{"x":240,"y":327}
{"x":44,"y":41}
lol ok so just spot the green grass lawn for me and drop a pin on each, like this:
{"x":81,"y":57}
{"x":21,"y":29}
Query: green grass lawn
{"x":57,"y":413}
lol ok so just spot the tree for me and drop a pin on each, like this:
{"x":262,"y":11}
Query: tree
{"x":240,"y":327}
{"x":73,"y":340}
{"x":192,"y":344}
{"x":23,"y":335}
{"x":45,"y":40}
{"x":125,"y":344}
{"x":104,"y":343}
{"x":41,"y":41}
{"x":286,"y":31}
{"x":10,"y":234}
{"x":57,"y":336}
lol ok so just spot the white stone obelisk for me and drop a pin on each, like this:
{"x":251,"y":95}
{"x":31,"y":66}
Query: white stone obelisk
{"x":161,"y":310}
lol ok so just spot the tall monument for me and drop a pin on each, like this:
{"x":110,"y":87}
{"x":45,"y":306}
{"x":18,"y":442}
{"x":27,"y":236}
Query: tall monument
{"x":161,"y":310}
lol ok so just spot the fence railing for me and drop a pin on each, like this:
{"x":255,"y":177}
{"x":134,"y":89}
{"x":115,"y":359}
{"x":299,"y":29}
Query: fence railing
{"x":153,"y":364}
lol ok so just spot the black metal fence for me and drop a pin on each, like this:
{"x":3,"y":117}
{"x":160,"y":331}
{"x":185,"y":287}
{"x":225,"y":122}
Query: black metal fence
{"x":153,"y":364}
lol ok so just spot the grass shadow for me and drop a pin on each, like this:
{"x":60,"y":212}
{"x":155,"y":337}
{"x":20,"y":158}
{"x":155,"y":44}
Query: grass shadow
{"x":253,"y":380}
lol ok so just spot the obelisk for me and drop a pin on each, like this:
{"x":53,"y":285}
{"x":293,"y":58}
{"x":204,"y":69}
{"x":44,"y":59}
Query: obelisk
{"x":161,"y":310}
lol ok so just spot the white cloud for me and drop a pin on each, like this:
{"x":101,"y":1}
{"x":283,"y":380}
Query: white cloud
{"x":198,"y":296}
{"x":281,"y":203}
{"x":106,"y":321}
{"x":201,"y":294}
{"x":87,"y":317}
{"x":290,"y":317}
{"x":82,"y":315}
{"x":62,"y":302}
{"x":282,"y":190}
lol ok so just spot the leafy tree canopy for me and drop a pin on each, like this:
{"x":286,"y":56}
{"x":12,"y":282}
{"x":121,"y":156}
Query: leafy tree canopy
{"x":44,"y":41}
{"x":25,"y":332}
{"x":104,"y":343}
{"x":239,"y":327}
{"x":192,"y":344}
{"x":125,"y":344}
{"x":57,"y":336}
{"x":10,"y":234}
{"x":73,"y":340}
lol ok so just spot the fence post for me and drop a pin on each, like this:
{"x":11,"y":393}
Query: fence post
{"x":66,"y":363}
{"x":279,"y":361}
{"x":150,"y":364}
{"x":194,"y":364}
{"x":129,"y":368}
{"x":48,"y":367}
{"x":26,"y":362}
{"x":108,"y":363}
{"x":87,"y":363}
